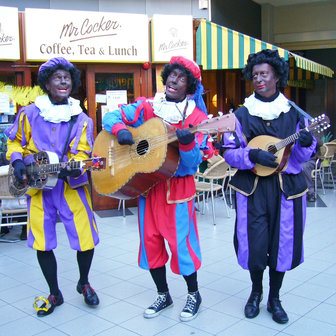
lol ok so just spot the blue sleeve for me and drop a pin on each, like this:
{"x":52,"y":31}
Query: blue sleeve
{"x":189,"y":161}
{"x":115,"y":117}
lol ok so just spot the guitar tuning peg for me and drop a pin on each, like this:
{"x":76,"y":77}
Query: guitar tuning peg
{"x":210,"y":116}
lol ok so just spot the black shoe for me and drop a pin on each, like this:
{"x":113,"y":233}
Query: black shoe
{"x":278,"y":313}
{"x":4,"y":230}
{"x":311,"y":198}
{"x":54,"y":301}
{"x":191,"y":307}
{"x":90,"y":296}
{"x":252,"y":306}
{"x":162,"y":302}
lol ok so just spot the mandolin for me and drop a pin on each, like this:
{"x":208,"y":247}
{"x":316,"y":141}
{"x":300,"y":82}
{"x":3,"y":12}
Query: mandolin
{"x":133,"y":170}
{"x":282,"y":148}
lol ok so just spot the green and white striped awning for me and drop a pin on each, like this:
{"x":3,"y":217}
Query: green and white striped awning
{"x":218,"y":47}
{"x":306,"y":64}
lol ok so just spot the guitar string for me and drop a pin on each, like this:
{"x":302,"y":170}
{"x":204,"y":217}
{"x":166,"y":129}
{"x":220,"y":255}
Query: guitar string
{"x":172,"y":136}
{"x":314,"y":127}
{"x":156,"y":142}
{"x":55,"y":167}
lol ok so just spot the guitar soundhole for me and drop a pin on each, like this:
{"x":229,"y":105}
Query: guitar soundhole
{"x":142,"y":147}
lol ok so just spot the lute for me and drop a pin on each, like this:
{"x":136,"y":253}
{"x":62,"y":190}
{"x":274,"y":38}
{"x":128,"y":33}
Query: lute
{"x":282,"y":148}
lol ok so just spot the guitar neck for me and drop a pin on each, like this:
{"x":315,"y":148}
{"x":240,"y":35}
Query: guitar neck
{"x":52,"y":167}
{"x":219,"y":124}
{"x":172,"y":137}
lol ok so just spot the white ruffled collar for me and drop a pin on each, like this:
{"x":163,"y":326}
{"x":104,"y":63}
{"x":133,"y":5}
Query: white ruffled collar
{"x":57,"y":113}
{"x":170,"y":111}
{"x":267,"y":110}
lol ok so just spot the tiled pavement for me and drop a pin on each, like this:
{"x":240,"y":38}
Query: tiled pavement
{"x":308,"y":293}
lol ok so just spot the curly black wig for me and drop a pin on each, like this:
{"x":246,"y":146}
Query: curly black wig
{"x":44,"y":76}
{"x":192,"y":81}
{"x":271,"y":57}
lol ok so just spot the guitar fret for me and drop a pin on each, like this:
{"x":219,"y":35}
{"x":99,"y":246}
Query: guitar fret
{"x":43,"y":169}
{"x":51,"y":168}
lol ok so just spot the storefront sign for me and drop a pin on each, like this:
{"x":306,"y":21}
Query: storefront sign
{"x":9,"y":34}
{"x":172,"y":35}
{"x":86,"y":36}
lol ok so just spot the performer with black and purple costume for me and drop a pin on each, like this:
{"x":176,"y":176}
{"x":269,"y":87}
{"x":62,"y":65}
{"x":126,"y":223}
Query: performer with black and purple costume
{"x":167,"y":212}
{"x":270,"y":210}
{"x":44,"y":126}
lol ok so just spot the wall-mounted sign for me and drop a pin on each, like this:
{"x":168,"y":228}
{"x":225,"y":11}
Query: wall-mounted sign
{"x":172,"y":35}
{"x":9,"y":34}
{"x":86,"y":36}
{"x":4,"y":103}
{"x":114,"y":98}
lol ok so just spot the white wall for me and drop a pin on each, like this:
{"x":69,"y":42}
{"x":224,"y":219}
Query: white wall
{"x":301,"y":27}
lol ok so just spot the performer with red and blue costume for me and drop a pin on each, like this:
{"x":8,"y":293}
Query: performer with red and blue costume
{"x":167,"y":211}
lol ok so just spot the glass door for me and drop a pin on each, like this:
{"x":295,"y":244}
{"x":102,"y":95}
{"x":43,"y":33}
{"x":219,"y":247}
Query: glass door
{"x":112,"y":89}
{"x":109,"y":85}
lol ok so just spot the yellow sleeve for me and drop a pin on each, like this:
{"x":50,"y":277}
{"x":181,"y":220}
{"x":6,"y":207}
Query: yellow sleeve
{"x":15,"y":145}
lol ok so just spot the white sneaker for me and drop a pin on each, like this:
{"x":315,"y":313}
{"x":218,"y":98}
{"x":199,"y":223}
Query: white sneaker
{"x":191,"y":307}
{"x":162,"y":302}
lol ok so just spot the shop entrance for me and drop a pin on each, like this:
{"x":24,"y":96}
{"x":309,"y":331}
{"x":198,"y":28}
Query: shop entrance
{"x":106,"y":87}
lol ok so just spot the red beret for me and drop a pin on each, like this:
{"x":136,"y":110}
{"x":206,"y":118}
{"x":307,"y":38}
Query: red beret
{"x":189,"y":64}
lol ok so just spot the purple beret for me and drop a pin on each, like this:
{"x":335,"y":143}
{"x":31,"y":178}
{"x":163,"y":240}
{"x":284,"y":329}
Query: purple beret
{"x":53,"y":62}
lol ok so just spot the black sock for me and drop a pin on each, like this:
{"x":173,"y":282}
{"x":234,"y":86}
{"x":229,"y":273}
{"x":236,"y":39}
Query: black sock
{"x":159,"y":278}
{"x":275,"y":280}
{"x":84,"y":260}
{"x":256,"y":277}
{"x":191,"y":281}
{"x":48,"y":266}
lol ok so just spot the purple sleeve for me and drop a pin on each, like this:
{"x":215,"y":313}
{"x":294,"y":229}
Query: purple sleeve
{"x":299,"y":155}
{"x":237,"y":151}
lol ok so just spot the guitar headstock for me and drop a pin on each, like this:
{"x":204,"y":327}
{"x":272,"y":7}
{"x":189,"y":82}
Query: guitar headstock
{"x":221,"y":124}
{"x":319,"y":124}
{"x":95,"y":163}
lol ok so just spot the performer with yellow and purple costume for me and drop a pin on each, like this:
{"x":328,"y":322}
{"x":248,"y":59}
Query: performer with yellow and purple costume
{"x":45,"y":126}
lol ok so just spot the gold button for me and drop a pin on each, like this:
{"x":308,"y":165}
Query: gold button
{"x":52,"y":145}
{"x":54,"y":128}
{"x":268,"y":124}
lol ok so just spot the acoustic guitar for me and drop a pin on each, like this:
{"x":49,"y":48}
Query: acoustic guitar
{"x":282,"y":148}
{"x":154,"y":157}
{"x":44,"y":174}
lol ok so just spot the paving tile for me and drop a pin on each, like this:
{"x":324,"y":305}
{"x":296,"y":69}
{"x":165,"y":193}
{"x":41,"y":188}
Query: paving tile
{"x":308,"y":293}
